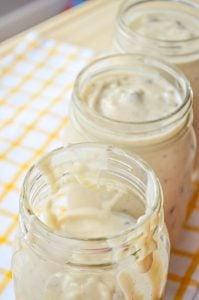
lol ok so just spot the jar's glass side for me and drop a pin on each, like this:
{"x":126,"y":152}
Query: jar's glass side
{"x":191,"y":70}
{"x":139,"y":27}
{"x":168,"y":144}
{"x":36,"y":278}
{"x":176,"y":177}
{"x":120,"y":68}
{"x":173,"y":166}
{"x":184,"y":52}
{"x":49,"y":265}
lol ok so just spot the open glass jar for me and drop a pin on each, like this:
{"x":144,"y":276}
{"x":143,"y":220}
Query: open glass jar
{"x":167,"y":29}
{"x":144,"y":106}
{"x":91,"y":227}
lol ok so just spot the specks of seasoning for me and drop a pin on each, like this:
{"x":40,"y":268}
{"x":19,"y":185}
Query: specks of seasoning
{"x":127,"y":223}
{"x":149,"y":81}
{"x":125,"y":211}
{"x":121,"y":80}
{"x":29,"y":211}
{"x":180,"y":24}
{"x":154,"y":19}
{"x":172,"y":209}
{"x":137,"y":95}
{"x":136,"y":252}
{"x":192,"y":146}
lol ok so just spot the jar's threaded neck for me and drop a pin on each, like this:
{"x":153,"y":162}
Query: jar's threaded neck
{"x":83,"y":114}
{"x":84,"y":161}
{"x":129,"y":39}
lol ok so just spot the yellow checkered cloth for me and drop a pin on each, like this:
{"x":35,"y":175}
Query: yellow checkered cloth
{"x":35,"y":87}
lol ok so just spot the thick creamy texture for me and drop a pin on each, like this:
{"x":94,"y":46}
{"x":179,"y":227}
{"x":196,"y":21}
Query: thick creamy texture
{"x":87,"y":208}
{"x":87,"y":222}
{"x":170,"y":25}
{"x":140,"y":98}
{"x":132,"y":97}
{"x":143,"y":97}
{"x":165,"y":25}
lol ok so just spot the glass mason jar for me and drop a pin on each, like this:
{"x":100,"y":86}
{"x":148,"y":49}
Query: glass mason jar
{"x":167,"y":143}
{"x":168,"y":29}
{"x":91,"y":227}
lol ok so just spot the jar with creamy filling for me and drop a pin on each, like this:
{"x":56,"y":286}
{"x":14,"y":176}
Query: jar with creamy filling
{"x":91,"y":227}
{"x":168,"y":29}
{"x":144,"y":106}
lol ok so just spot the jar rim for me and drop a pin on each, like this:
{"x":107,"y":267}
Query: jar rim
{"x":27,"y":211}
{"x":131,"y":3}
{"x":150,"y":61}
